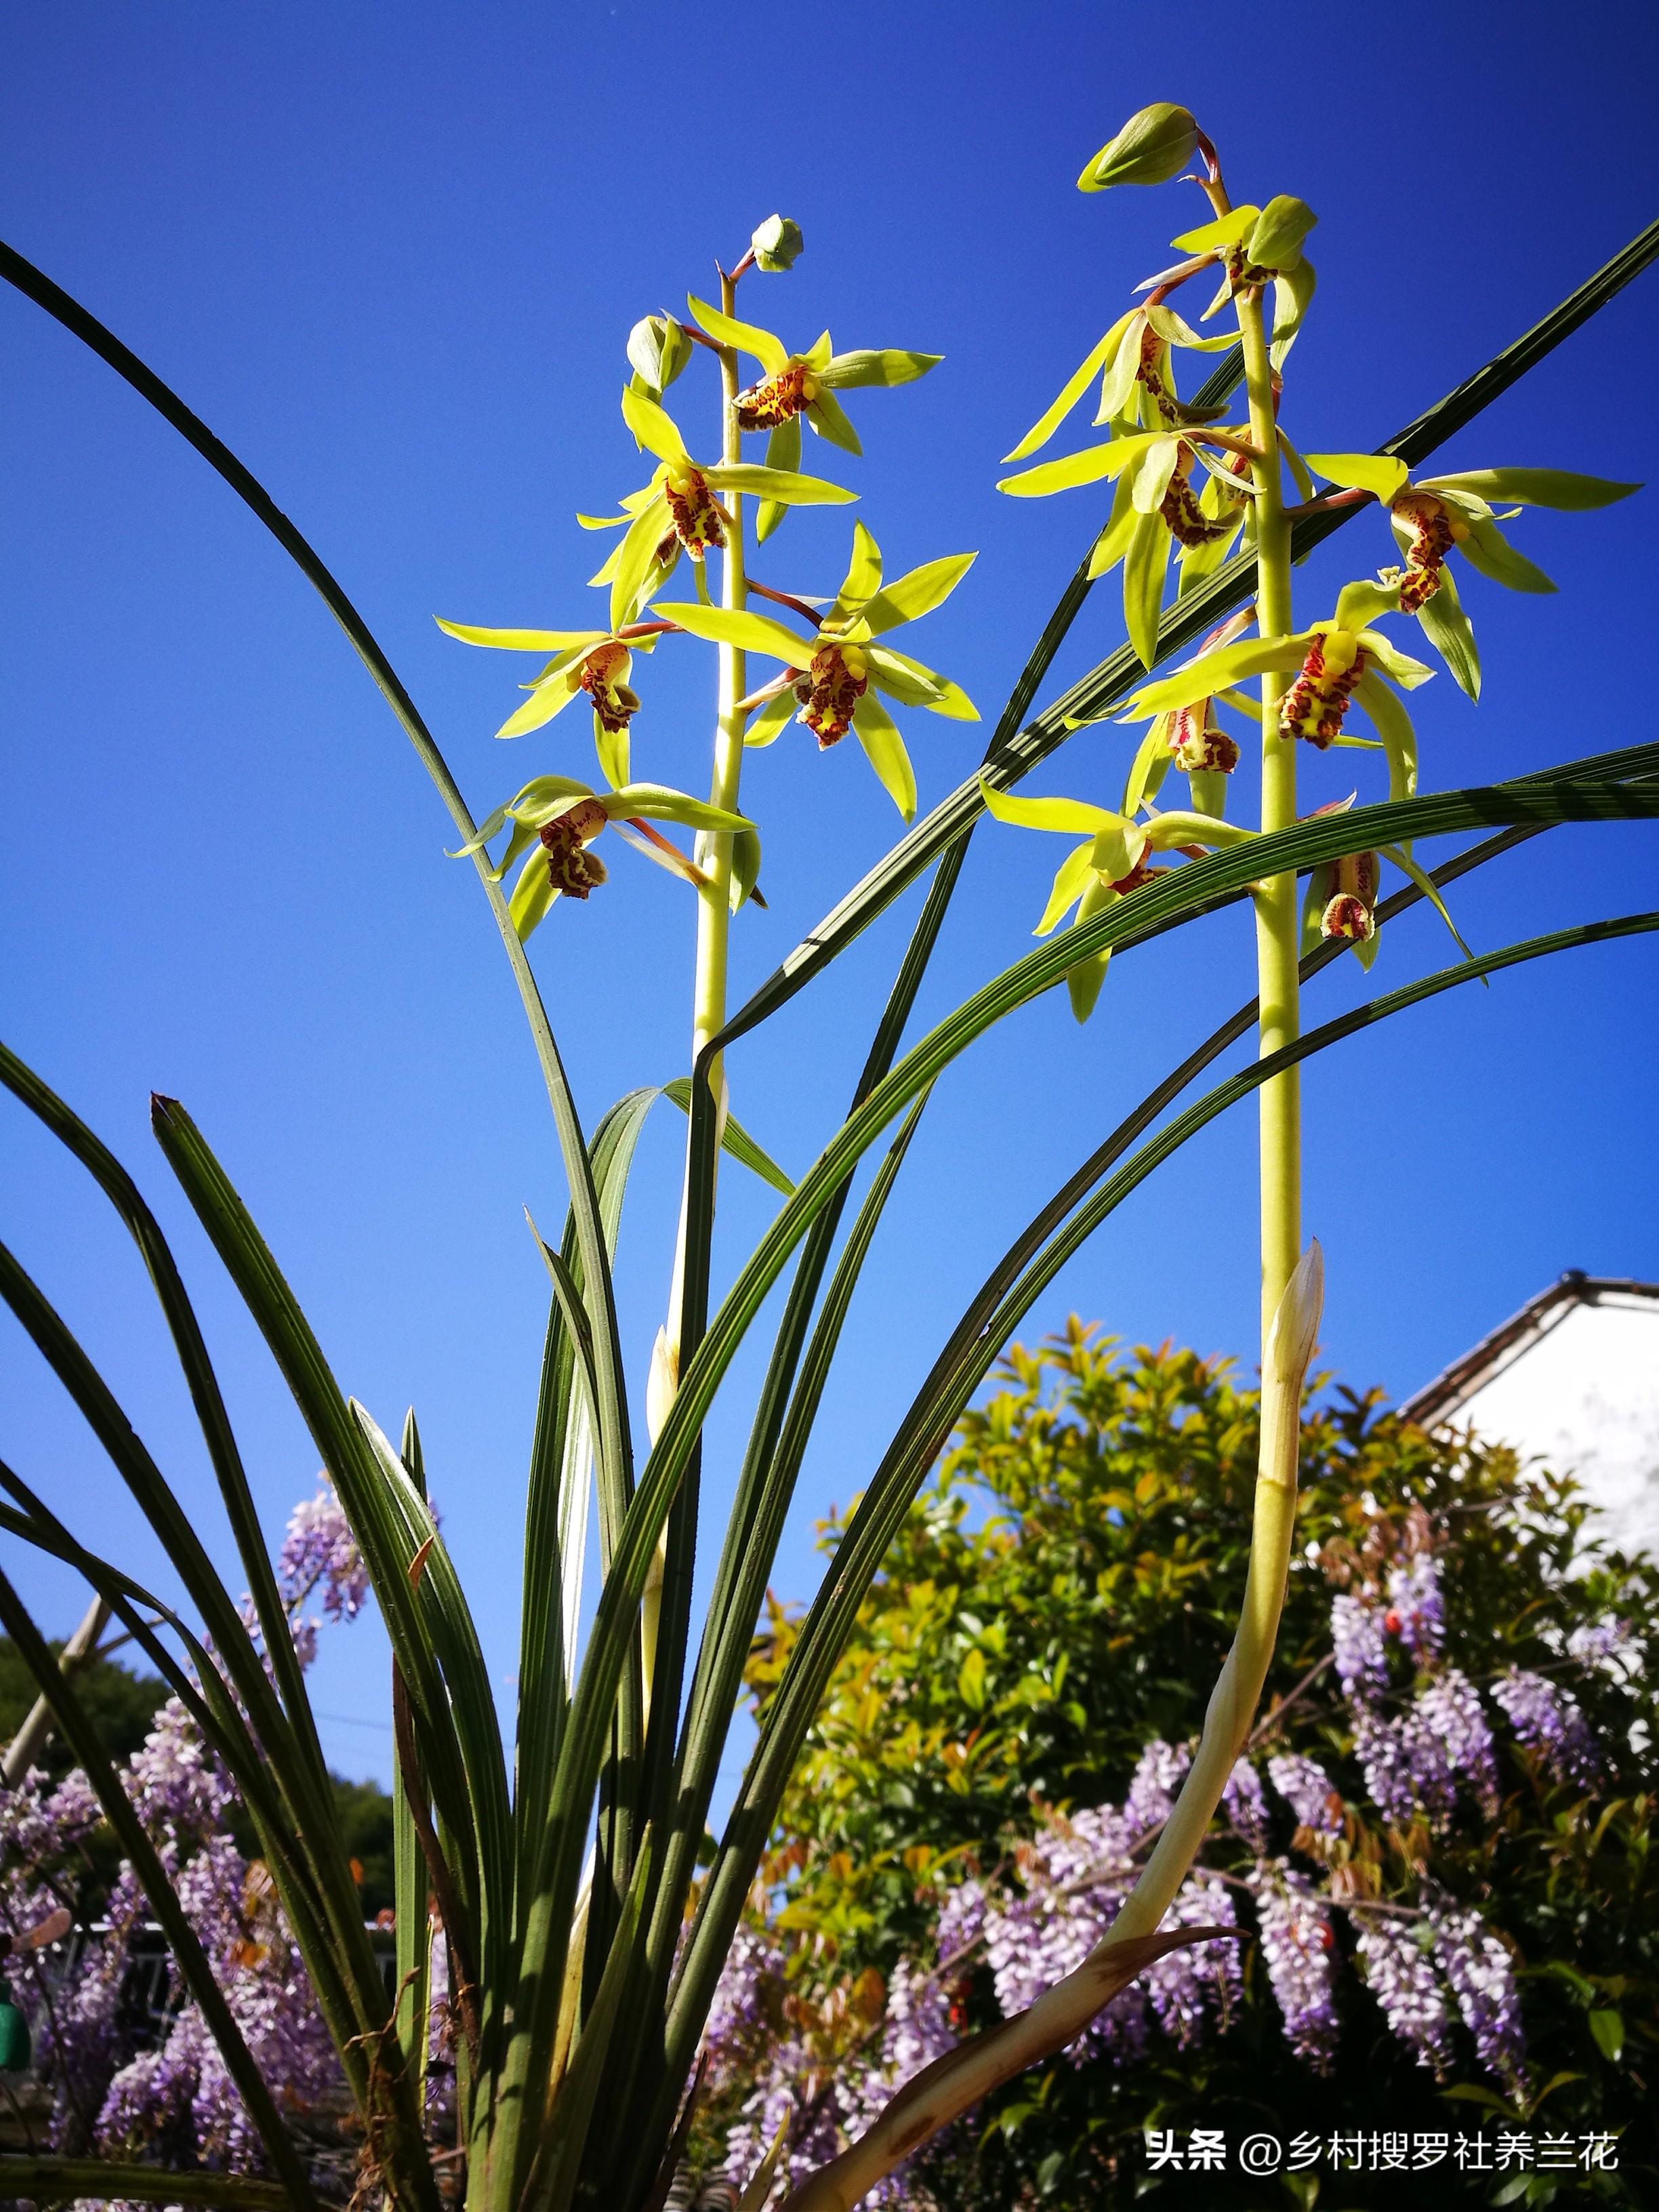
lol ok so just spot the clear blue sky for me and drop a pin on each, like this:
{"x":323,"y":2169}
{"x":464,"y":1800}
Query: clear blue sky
{"x":390,"y":254}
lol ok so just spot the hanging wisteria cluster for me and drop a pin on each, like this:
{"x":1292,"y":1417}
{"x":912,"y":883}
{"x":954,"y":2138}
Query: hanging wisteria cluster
{"x":129,"y":2078}
{"x":1280,"y":1866}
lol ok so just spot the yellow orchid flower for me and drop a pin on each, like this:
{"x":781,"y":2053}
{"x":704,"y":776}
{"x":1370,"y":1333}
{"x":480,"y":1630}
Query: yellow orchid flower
{"x":559,"y":817}
{"x":797,"y":386}
{"x":1438,"y":515}
{"x":595,"y":662}
{"x":831,"y":680}
{"x":1113,"y":861}
{"x":678,"y":511}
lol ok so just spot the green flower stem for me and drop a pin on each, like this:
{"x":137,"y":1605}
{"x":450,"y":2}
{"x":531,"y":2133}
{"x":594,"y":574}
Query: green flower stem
{"x":1290,"y":1289}
{"x":1277,"y":925}
{"x":714,"y":858}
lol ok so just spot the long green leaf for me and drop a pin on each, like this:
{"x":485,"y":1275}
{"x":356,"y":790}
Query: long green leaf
{"x":383,"y":1533}
{"x":556,"y":1526}
{"x":756,"y":1525}
{"x":410,"y":1887}
{"x":734,"y":1138}
{"x":106,"y":2180}
{"x":307,"y":1772}
{"x":561,"y":2140}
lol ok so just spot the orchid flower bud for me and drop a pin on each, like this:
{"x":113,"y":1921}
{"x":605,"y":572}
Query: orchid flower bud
{"x":657,"y":350}
{"x":1153,"y":147}
{"x":1275,"y":243}
{"x":777,"y":245}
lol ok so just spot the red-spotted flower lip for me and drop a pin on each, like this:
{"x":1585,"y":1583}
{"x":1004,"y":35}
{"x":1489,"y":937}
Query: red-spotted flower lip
{"x":699,"y":521}
{"x":835,"y":681}
{"x":1434,"y":532}
{"x":775,"y":399}
{"x":1315,"y":703}
{"x":615,"y":703}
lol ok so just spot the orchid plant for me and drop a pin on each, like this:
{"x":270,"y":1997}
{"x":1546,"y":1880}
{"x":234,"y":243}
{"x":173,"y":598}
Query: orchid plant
{"x":586,"y":1912}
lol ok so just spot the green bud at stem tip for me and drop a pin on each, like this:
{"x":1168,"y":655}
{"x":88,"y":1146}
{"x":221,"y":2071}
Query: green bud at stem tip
{"x":776,"y":243}
{"x":1153,"y":147}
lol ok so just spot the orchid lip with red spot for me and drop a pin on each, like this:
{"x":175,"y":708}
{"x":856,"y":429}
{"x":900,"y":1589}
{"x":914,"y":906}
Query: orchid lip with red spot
{"x":615,"y":703}
{"x":836,"y":680}
{"x":698,"y":518}
{"x":1433,"y":535}
{"x":1315,"y":703}
{"x":776,"y":399}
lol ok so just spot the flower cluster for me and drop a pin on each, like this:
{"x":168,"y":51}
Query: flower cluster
{"x":320,"y":1552}
{"x":1481,"y":1973}
{"x":1399,"y":1974}
{"x":1297,"y":1947}
{"x":1308,"y":1790}
{"x":1546,"y":1717}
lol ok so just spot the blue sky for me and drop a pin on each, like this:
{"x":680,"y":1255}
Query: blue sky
{"x":390,"y":255}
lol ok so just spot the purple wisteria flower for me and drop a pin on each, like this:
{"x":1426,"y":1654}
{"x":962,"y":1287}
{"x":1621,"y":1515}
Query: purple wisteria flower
{"x":1308,"y":1790}
{"x":1401,"y":1975}
{"x":1157,"y":1777}
{"x":1482,"y":1977}
{"x":1598,"y":1643}
{"x":919,"y":2028}
{"x":1416,"y":1613}
{"x":1415,"y":1762}
{"x":741,"y":2011}
{"x":1299,"y":1947}
{"x":1076,"y":1873}
{"x":175,"y":1781}
{"x":1359,"y":1646}
{"x":321,"y":1550}
{"x":1451,"y":1712}
{"x":961,"y":1920}
{"x":1200,"y":1987}
{"x":1245,"y":1804}
{"x":1384,"y":1750}
{"x":1548,"y":1718}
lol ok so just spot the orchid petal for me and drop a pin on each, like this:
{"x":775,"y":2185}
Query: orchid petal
{"x":770,"y":352}
{"x":878,"y":732}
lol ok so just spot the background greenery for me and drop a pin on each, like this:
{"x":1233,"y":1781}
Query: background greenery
{"x":1063,"y":1592}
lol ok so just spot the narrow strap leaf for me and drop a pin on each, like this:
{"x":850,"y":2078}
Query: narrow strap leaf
{"x":735,"y":1137}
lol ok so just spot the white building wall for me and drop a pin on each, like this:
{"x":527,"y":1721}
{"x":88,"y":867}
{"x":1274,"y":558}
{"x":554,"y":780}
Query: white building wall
{"x":1584,"y":1398}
